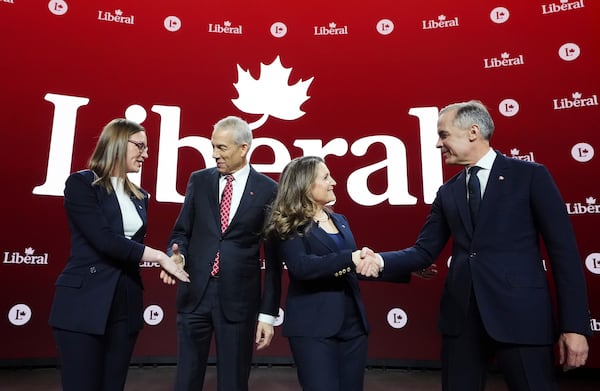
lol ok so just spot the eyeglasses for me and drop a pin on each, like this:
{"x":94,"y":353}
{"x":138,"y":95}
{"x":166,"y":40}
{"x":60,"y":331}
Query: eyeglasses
{"x":141,"y":146}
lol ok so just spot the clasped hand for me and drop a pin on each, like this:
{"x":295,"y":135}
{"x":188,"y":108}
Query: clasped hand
{"x":175,"y":271}
{"x":367,"y":262}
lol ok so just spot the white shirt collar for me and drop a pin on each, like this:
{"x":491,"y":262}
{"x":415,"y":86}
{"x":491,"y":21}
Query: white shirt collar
{"x":487,"y":161}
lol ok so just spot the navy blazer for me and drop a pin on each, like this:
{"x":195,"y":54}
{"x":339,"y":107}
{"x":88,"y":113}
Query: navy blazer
{"x":100,"y":256}
{"x":319,"y":273}
{"x":197,"y":231}
{"x":501,"y":259}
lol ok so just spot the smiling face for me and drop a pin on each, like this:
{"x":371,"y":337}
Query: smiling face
{"x":456,"y":144}
{"x":322,"y":188}
{"x":230,"y":157}
{"x":137,"y":151}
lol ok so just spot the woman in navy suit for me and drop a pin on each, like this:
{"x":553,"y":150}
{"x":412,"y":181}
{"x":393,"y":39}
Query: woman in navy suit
{"x":96,"y":314}
{"x":325,"y":319}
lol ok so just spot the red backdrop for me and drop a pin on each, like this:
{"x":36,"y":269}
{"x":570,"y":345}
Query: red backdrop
{"x":359,"y":84}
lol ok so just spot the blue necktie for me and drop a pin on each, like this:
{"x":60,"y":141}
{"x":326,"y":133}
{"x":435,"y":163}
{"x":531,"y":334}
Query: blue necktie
{"x":474,"y":193}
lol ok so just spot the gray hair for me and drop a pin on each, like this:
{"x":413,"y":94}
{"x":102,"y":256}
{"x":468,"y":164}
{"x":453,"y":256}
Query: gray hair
{"x":240,"y":129}
{"x":469,"y":113}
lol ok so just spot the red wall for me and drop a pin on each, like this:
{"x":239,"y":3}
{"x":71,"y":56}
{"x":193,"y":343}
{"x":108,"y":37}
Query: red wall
{"x":368,"y":93}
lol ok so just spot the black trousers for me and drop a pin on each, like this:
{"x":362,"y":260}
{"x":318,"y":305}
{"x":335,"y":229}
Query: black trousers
{"x":467,"y":358}
{"x":95,"y":362}
{"x":335,"y":363}
{"x":234,"y":344}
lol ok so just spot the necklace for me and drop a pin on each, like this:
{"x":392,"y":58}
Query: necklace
{"x":322,"y":219}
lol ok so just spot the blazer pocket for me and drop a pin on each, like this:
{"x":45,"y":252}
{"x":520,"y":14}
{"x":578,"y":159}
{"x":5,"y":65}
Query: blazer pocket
{"x":69,"y":280}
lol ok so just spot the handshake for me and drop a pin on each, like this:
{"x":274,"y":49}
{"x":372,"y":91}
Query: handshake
{"x":367,"y":262}
{"x":176,"y":270}
{"x":370,"y":264}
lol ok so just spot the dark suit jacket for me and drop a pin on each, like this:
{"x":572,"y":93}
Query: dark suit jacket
{"x":197,"y":231}
{"x":100,"y":256}
{"x":501,"y":260}
{"x":319,"y":273}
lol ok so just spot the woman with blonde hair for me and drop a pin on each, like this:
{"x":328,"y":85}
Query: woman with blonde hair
{"x":325,"y":318}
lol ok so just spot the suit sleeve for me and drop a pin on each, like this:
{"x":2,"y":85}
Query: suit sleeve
{"x":184,"y":223}
{"x":303,"y":265}
{"x":85,"y":214}
{"x":423,"y":253}
{"x":271,"y":298}
{"x":556,"y":229}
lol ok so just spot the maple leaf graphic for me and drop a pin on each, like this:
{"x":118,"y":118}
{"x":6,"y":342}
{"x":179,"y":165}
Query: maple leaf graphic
{"x":270,"y":94}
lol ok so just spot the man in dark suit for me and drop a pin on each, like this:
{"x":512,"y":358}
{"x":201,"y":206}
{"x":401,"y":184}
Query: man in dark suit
{"x":219,"y":239}
{"x":496,"y":301}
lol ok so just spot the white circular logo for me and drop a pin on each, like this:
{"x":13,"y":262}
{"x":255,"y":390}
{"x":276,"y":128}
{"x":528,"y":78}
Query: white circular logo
{"x":582,"y":152}
{"x":153,"y":315}
{"x":385,"y":27}
{"x":136,"y":113}
{"x":58,"y":7}
{"x":508,"y":107}
{"x":499,"y":15}
{"x":278,"y":29}
{"x":19,"y":314}
{"x":279,"y":319}
{"x":172,"y":23}
{"x":569,"y":51}
{"x":397,"y":318}
{"x":592,"y":262}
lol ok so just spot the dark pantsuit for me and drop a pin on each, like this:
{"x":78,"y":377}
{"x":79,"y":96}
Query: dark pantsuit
{"x":337,"y":362}
{"x":195,"y":330}
{"x":97,"y":310}
{"x":95,"y":362}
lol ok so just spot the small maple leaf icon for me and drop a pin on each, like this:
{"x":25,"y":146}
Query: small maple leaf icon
{"x":590,"y":200}
{"x":270,"y":95}
{"x":29,"y":251}
{"x":442,"y":17}
{"x":227,"y":23}
{"x":505,"y":55}
{"x":514,"y":151}
{"x":118,"y":12}
{"x":332,"y":25}
{"x":576,"y":95}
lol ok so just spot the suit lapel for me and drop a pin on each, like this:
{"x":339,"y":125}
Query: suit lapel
{"x":247,"y":198}
{"x":459,"y":190}
{"x":140,"y":207}
{"x":213,"y":198}
{"x":324,"y":237}
{"x":494,"y":188}
{"x":110,"y":205}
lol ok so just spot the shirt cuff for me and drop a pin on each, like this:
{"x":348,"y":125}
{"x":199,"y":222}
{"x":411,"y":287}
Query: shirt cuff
{"x":266,"y":318}
{"x":381,"y":263}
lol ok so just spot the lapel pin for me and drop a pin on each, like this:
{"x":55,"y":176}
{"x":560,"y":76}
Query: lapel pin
{"x":251,"y":193}
{"x":501,"y":178}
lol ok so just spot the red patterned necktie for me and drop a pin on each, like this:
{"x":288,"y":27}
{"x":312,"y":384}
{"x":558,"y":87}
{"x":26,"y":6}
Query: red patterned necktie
{"x":225,"y":209}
